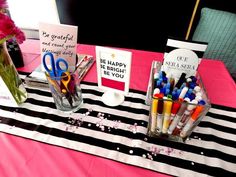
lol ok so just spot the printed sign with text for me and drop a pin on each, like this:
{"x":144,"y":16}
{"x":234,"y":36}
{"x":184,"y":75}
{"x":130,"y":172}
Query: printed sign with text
{"x":180,"y":61}
{"x":61,"y":40}
{"x":113,"y":67}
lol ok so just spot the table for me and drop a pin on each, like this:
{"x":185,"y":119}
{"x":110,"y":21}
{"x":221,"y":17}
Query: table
{"x":24,"y":157}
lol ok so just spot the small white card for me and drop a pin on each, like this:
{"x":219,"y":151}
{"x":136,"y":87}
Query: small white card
{"x":180,"y":61}
{"x":61,"y":40}
{"x":6,"y":98}
{"x":113,"y":68}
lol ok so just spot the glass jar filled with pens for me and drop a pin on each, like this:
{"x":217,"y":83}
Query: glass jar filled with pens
{"x":176,"y":107}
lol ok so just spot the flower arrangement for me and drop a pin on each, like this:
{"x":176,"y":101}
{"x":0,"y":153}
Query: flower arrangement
{"x":8,"y":72}
{"x":8,"y":29}
{"x":3,"y":4}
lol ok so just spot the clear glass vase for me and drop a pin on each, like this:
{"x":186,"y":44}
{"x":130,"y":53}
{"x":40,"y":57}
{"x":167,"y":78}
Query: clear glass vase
{"x":10,"y":76}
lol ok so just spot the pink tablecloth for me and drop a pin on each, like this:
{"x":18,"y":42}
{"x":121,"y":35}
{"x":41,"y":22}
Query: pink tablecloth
{"x":22,"y":157}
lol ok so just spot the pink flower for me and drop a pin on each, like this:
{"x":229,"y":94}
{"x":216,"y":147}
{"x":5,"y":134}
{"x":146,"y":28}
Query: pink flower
{"x":20,"y":36}
{"x":8,"y":29}
{"x":3,"y":4}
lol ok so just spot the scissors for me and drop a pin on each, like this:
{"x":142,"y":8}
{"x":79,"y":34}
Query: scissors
{"x":56,"y":70}
{"x":65,"y":82}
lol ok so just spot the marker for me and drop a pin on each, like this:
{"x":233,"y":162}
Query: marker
{"x":189,"y":92}
{"x":156,"y":91}
{"x":183,"y":92}
{"x":181,"y":80}
{"x":191,"y":121}
{"x":198,"y":98}
{"x":175,"y":94}
{"x":197,"y":89}
{"x":198,"y":94}
{"x":172,"y":83}
{"x":183,"y":85}
{"x":188,"y":80}
{"x":155,"y":77}
{"x":175,"y":107}
{"x":165,"y":79}
{"x":192,"y":85}
{"x":159,"y":115}
{"x":154,"y":114}
{"x":163,"y":74}
{"x":177,"y":117}
{"x":159,"y":82}
{"x":194,"y":79}
{"x":167,"y":88}
{"x":185,"y":116}
{"x":166,"y":112}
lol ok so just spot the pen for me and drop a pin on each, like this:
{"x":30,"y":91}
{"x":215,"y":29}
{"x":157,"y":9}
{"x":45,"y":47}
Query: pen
{"x":166,"y":113}
{"x":191,"y":121}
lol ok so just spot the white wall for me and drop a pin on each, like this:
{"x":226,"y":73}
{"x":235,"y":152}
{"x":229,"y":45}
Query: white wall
{"x":27,"y":13}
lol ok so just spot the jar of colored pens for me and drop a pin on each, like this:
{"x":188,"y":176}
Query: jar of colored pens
{"x":177,"y":106}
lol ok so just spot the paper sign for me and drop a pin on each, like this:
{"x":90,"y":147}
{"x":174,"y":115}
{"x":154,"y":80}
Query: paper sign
{"x":113,"y":67}
{"x":180,"y":61}
{"x":198,"y":47}
{"x":61,"y":40}
{"x":6,"y":98}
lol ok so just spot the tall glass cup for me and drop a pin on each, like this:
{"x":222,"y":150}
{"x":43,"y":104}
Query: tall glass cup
{"x":66,"y":91}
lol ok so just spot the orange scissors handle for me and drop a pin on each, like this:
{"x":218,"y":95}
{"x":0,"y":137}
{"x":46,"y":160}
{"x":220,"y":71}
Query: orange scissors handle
{"x":66,"y":78}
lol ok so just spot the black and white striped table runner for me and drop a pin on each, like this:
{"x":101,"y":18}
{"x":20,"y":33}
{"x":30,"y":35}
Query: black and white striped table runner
{"x":119,"y":133}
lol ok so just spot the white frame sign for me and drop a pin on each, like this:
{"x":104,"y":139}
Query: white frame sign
{"x":113,"y":69}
